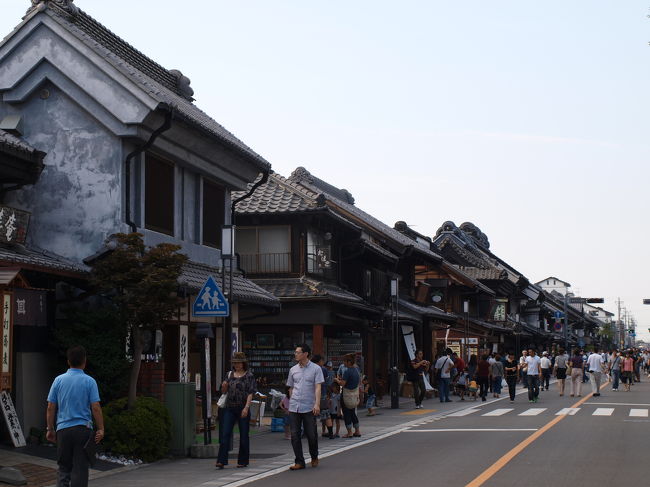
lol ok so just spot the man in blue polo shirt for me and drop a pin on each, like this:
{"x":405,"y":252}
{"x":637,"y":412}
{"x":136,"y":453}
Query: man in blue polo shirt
{"x":72,"y":404}
{"x":305,"y":381}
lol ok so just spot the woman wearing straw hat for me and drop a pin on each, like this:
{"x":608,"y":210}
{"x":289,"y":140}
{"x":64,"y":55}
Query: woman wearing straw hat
{"x":240,"y":386}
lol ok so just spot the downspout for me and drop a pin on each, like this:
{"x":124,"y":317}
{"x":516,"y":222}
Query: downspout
{"x":127,"y":165}
{"x":265,"y":178}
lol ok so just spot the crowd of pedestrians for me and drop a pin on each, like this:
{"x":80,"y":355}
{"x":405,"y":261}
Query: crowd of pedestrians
{"x":317,"y":393}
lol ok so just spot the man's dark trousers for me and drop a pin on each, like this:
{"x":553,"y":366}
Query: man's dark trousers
{"x":533,"y":387}
{"x":71,"y":457}
{"x":306,"y":422}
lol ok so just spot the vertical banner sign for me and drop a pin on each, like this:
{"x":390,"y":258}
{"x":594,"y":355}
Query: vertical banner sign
{"x":6,"y":342}
{"x":208,"y":380}
{"x":11,"y":419}
{"x":409,"y":340}
{"x":183,"y":375}
{"x":234,"y":341}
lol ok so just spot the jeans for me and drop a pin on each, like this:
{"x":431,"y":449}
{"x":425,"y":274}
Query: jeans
{"x":419,"y":390}
{"x":616,"y":377}
{"x":71,"y":457}
{"x":232,"y":416}
{"x":595,"y":378}
{"x":350,"y":418}
{"x":512,"y":385}
{"x":306,"y":422}
{"x":443,"y":388}
{"x":533,"y":387}
{"x":496,"y":385}
{"x":483,"y":384}
{"x":546,"y":377}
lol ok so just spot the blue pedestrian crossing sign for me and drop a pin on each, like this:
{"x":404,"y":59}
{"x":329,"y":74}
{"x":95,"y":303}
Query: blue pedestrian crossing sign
{"x":210,"y":301}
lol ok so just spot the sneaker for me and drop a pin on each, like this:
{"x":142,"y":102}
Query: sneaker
{"x":530,"y":400}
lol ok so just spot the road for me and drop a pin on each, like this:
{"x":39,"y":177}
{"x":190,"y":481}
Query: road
{"x":599,"y":440}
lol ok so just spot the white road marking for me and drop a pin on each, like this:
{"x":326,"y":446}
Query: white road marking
{"x":603,"y":412}
{"x":468,"y":429}
{"x":639,"y":413}
{"x":567,"y":411}
{"x":498,"y":412}
{"x":615,"y":404}
{"x":533,"y":412}
{"x":464,"y":412}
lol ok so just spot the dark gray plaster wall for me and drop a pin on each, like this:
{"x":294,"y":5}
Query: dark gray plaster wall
{"x":76,"y":203}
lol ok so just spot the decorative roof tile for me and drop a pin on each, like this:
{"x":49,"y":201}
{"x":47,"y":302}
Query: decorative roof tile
{"x":277,"y":195}
{"x":307,"y":288}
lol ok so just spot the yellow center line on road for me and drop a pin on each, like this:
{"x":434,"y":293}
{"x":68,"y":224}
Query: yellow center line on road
{"x":505,"y":459}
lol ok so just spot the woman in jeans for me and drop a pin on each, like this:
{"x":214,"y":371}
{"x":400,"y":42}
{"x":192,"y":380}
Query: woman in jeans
{"x":511,"y":368}
{"x":349,"y":382}
{"x":577,"y":371}
{"x":496,"y":374}
{"x":240,"y":386}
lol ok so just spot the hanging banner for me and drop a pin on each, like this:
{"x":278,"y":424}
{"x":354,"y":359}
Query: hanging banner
{"x":5,"y":383}
{"x":208,"y":380}
{"x":183,"y":364}
{"x":409,"y":340}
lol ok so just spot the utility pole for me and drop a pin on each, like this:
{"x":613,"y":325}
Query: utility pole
{"x":566,"y":320}
{"x":618,"y":323}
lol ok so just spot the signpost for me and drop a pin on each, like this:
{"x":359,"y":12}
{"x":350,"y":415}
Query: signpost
{"x":211,"y":301}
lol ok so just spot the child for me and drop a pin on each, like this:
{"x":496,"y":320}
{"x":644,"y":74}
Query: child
{"x":284,"y":405}
{"x":334,"y":395}
{"x":461,"y":384}
{"x":371,"y":398}
{"x":473,"y":388}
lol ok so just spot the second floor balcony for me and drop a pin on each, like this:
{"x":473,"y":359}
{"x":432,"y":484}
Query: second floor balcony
{"x":266,"y":264}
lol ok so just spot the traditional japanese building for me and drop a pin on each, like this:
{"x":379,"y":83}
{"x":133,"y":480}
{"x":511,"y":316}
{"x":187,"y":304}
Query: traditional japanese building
{"x":128,"y":150}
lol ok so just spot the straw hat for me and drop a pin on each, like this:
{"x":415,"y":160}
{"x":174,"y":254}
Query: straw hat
{"x":239,"y":357}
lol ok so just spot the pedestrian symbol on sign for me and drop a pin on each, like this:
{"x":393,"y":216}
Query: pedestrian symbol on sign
{"x":210,"y":301}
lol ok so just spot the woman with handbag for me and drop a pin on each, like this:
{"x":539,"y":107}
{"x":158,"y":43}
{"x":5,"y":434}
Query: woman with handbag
{"x":239,"y":387}
{"x":561,"y":366}
{"x":349,"y":382}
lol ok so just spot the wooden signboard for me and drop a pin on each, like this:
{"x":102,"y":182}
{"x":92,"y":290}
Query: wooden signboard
{"x":7,"y":336}
{"x":11,"y":419}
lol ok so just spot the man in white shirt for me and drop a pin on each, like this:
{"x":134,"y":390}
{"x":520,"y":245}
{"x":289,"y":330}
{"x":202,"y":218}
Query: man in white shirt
{"x":444,"y":365}
{"x":522,"y":362}
{"x":595,"y":364}
{"x":533,"y":375}
{"x":545,"y":364}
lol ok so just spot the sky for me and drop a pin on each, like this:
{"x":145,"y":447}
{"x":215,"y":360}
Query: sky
{"x":528,"y":119}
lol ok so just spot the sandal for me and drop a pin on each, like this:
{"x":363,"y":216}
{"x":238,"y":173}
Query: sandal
{"x":219,"y":465}
{"x":242,"y":466}
{"x":357,"y":435}
{"x":347,"y":436}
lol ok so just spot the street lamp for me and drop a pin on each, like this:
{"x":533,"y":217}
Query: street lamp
{"x":394,"y":376}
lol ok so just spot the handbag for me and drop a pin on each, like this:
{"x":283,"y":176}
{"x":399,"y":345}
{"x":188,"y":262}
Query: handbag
{"x":223,"y":398}
{"x":351,"y":398}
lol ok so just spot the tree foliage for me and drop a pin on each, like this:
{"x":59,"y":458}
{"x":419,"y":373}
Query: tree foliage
{"x":141,"y":282}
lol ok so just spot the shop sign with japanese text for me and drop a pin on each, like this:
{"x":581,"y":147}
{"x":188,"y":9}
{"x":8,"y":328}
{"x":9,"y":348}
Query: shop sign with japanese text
{"x":13,"y":225}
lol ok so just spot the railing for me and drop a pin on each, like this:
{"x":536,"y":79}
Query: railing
{"x":277,"y":263}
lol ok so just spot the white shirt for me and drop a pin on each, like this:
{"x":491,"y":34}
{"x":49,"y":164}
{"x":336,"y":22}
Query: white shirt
{"x":533,"y":365}
{"x":595,"y":362}
{"x":522,"y":359}
{"x":545,"y":363}
{"x":446,"y":364}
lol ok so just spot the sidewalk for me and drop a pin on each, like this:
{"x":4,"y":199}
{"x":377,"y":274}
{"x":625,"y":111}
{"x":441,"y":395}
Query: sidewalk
{"x":269,"y":451}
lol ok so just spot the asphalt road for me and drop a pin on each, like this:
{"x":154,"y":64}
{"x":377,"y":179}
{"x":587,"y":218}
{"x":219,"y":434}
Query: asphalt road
{"x":602,"y":440}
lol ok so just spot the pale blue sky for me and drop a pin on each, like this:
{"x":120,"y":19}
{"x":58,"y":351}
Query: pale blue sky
{"x":529,"y":119}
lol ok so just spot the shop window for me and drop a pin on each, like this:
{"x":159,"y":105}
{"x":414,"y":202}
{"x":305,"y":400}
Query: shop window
{"x":159,"y":195}
{"x":264,"y":250}
{"x":213,"y":213}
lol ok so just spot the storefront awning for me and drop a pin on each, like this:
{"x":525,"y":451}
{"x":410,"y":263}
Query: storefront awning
{"x":425,"y":311}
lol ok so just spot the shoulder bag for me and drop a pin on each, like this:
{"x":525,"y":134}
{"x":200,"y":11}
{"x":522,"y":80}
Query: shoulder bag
{"x":351,"y":396}
{"x":223,"y":398}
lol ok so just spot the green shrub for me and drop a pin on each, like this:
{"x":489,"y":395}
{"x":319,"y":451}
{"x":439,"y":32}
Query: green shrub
{"x":143,"y":432}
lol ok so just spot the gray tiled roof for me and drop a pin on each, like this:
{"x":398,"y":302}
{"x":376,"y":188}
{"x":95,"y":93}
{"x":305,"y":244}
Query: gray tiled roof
{"x":427,"y":311}
{"x":277,"y":195}
{"x":486,"y":274}
{"x":194,"y":276}
{"x":38,"y":258}
{"x":307,"y":288}
{"x":16,"y":146}
{"x":304,"y":178}
{"x":162,"y":85}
